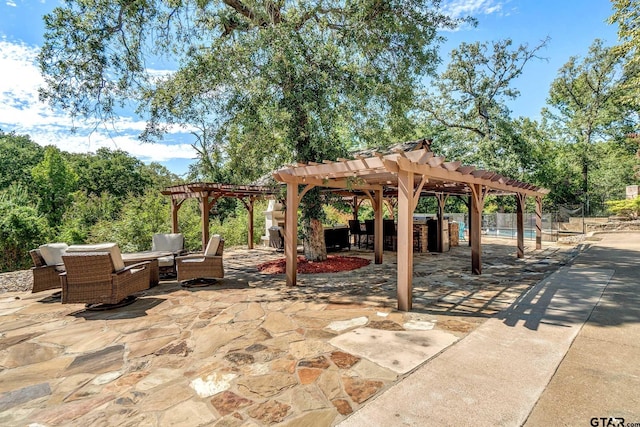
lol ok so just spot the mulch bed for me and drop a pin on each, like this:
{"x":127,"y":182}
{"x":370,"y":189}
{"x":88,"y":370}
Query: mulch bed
{"x":333,"y":264}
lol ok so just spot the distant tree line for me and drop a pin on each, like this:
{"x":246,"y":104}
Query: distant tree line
{"x":48,"y":195}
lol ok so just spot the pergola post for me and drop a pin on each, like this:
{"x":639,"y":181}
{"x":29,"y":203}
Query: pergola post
{"x":442,"y":201}
{"x":377,"y":233}
{"x":291,"y":233}
{"x":405,"y":240}
{"x":475,"y":223}
{"x":175,"y":206}
{"x":356,"y":205}
{"x":520,"y":205}
{"x":250,"y":219}
{"x":538,"y":222}
{"x":249,"y":206}
{"x":204,"y":215}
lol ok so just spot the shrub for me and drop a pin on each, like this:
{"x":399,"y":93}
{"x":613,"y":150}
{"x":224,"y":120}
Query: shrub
{"x":629,"y":208}
{"x":22,"y":228}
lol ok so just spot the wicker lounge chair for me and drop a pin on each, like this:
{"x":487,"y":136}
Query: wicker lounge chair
{"x":202,"y":266}
{"x":95,"y":275}
{"x":170,"y":242}
{"x":47,"y":266}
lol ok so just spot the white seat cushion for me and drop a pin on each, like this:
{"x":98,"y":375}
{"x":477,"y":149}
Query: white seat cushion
{"x":112,"y":248}
{"x":212,"y":246}
{"x":173,"y":242}
{"x":52,"y":252}
{"x":192,"y":260}
{"x":165,"y":261}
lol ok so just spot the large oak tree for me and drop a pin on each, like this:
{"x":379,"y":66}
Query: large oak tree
{"x":270,"y":80}
{"x":588,"y":105}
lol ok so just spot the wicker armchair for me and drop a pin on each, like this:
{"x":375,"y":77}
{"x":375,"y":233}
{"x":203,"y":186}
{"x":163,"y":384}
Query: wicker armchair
{"x":202,"y":266}
{"x":95,"y":274}
{"x":45,"y":277}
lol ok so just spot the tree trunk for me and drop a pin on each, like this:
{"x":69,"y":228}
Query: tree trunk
{"x":311,"y":204}
{"x":315,"y":248}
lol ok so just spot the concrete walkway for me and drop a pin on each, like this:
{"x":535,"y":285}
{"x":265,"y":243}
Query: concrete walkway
{"x":600,"y":375}
{"x":565,"y":353}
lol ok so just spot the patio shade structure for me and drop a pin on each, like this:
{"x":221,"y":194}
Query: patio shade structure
{"x":408,"y":175}
{"x":207,"y":194}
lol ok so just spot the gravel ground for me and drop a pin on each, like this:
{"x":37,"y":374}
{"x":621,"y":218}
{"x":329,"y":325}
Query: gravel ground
{"x":16,"y":281}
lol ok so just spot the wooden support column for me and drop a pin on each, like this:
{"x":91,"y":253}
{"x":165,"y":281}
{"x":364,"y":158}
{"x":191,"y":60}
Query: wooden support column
{"x":249,"y":206}
{"x":205,"y":208}
{"x":520,"y":205}
{"x":250,"y":219}
{"x":356,"y":205}
{"x":377,"y":233}
{"x":442,"y":200}
{"x":475,"y":224}
{"x":291,"y":228}
{"x":538,"y":222}
{"x":175,"y":206}
{"x":406,"y":207}
{"x":291,"y":233}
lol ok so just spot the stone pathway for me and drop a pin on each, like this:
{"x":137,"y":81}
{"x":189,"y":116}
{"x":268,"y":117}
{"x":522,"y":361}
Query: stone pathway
{"x":248,"y":350}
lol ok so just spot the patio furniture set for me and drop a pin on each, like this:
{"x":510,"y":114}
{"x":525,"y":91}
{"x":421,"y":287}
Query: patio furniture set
{"x":102,"y":277}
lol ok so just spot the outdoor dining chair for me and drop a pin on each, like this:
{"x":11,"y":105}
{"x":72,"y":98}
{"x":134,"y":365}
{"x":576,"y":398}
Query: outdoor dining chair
{"x":355,"y":230}
{"x":369,"y":226}
{"x":390,"y":234}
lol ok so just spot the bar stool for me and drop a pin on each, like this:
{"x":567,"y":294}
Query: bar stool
{"x":369,"y":230}
{"x":356,"y":231}
{"x":390,"y":234}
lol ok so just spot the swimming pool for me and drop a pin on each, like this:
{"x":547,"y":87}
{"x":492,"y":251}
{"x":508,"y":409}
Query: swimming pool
{"x":509,"y":233}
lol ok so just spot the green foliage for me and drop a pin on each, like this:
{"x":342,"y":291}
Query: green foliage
{"x":18,"y":155}
{"x":627,"y":16}
{"x":586,"y":97}
{"x":22,"y":228}
{"x":54,"y":181}
{"x":468,"y":107}
{"x":337,"y":214}
{"x":589,"y":112}
{"x":139,"y":218}
{"x":114,"y":172}
{"x":629,"y":208}
{"x":85,"y":211}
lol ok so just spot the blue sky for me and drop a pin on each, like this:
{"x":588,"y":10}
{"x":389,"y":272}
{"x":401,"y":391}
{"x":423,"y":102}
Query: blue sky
{"x":572,"y":25}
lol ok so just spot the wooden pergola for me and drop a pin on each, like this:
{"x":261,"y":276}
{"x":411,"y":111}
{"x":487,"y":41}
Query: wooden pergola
{"x":208,"y":194}
{"x":409,"y":175}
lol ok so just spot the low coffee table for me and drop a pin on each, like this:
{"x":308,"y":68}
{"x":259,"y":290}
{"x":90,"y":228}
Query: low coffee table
{"x":152,"y":256}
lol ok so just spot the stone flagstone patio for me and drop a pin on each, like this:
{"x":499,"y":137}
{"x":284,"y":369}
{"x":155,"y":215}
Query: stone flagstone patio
{"x":248,"y":350}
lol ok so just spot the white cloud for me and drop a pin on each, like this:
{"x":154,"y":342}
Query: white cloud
{"x":11,"y":3}
{"x":461,"y":8}
{"x":22,"y":112}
